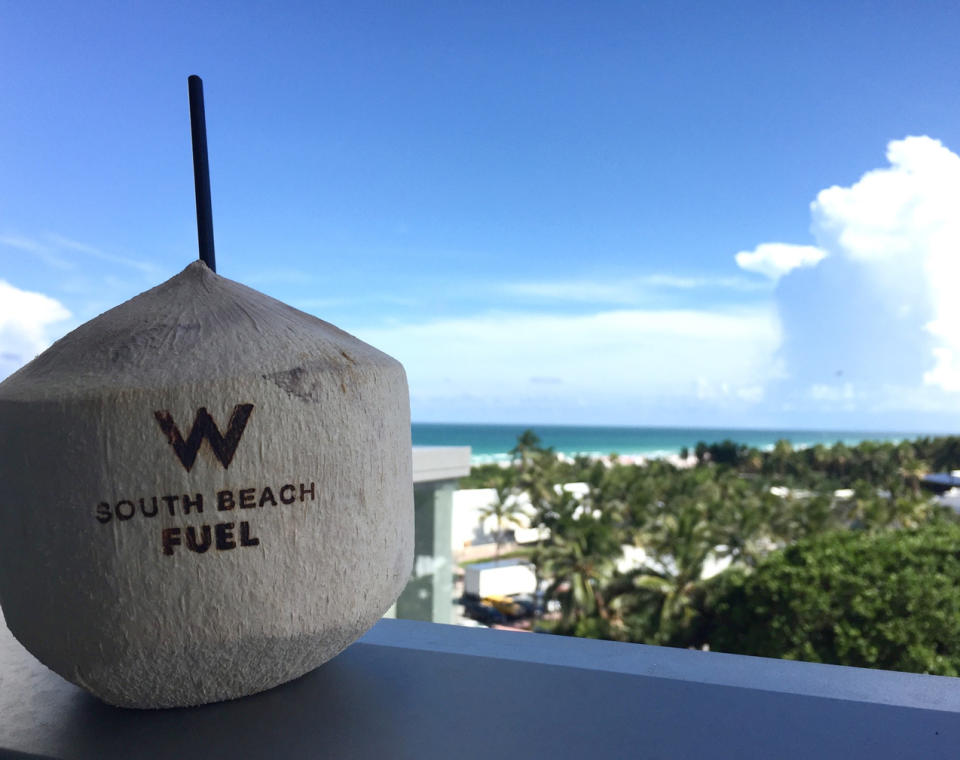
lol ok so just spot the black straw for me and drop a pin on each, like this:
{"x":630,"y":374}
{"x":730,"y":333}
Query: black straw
{"x":201,"y":172}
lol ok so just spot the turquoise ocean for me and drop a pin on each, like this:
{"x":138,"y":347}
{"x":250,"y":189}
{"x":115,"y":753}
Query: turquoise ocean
{"x":490,"y":443}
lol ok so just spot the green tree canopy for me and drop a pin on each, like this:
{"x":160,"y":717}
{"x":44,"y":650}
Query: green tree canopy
{"x":889,"y":600}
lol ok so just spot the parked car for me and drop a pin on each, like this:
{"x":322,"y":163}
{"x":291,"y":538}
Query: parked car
{"x":509,"y":607}
{"x":487,"y":614}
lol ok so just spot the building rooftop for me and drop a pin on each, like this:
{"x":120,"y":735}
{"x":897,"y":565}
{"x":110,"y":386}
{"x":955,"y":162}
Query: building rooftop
{"x":432,"y":463}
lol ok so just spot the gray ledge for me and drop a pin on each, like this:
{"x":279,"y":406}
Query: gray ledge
{"x":421,"y":690}
{"x":440,"y":463}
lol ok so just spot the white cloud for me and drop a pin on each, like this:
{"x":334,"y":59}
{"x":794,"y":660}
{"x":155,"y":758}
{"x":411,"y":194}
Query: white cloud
{"x":278,"y":276}
{"x":21,"y":243}
{"x":774,"y":260}
{"x":903,"y":224}
{"x":64,"y":243}
{"x":946,"y":369}
{"x":37,"y":249}
{"x":875,"y":299}
{"x":752,"y":393}
{"x":25,"y":322}
{"x":56,"y":250}
{"x":624,"y":291}
{"x":611,"y":356}
{"x":898,"y":211}
{"x":826,"y":392}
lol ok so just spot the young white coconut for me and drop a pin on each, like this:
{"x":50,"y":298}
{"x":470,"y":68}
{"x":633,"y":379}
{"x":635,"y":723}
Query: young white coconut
{"x":205,"y":493}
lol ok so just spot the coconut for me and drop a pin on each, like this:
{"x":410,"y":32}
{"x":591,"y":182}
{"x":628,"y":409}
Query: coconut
{"x":205,"y":493}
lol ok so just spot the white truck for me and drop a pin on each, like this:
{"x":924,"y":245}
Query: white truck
{"x":505,"y":577}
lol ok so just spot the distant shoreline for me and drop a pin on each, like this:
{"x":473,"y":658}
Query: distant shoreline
{"x":491,"y":442}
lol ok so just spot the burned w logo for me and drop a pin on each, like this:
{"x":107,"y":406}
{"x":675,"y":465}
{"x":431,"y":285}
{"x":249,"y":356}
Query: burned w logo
{"x":224,"y":446}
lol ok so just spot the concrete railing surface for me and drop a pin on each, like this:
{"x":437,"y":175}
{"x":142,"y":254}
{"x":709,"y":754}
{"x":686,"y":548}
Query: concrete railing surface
{"x":421,"y":690}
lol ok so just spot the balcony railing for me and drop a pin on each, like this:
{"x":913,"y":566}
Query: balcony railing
{"x":421,"y":690}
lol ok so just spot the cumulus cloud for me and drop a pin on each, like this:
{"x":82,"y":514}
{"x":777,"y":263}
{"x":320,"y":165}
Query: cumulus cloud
{"x":26,"y":319}
{"x":774,"y":260}
{"x":902,"y":223}
{"x":874,"y":301}
{"x":903,"y":210}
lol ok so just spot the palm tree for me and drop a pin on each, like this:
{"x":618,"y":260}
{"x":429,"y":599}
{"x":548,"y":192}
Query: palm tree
{"x":746,"y":519}
{"x":539,"y":479}
{"x":780,"y":458}
{"x":679,"y":530}
{"x":911,"y":469}
{"x":506,"y":509}
{"x":528,"y":443}
{"x":579,"y":558}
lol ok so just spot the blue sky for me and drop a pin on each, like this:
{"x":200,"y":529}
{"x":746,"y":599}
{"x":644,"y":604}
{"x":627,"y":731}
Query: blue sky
{"x":663,"y":213}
